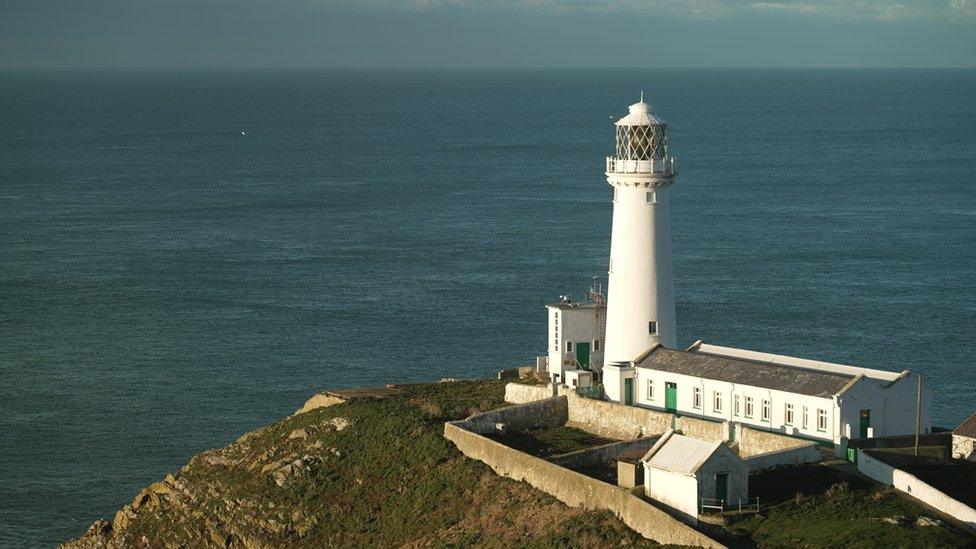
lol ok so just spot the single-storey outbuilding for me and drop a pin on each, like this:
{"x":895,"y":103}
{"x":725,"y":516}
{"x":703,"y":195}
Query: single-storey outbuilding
{"x":682,"y":472}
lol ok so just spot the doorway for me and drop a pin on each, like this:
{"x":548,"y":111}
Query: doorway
{"x":865,"y":422}
{"x":629,"y":391}
{"x":583,"y":355}
{"x":671,"y":397}
{"x":722,"y":487}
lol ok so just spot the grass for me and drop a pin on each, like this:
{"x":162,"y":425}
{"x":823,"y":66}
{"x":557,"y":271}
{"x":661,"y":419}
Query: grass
{"x":816,"y":506}
{"x":389,"y":479}
{"x":551,"y":441}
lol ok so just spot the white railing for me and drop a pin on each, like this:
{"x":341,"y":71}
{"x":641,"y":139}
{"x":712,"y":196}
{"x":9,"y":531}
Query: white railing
{"x":667,"y":166}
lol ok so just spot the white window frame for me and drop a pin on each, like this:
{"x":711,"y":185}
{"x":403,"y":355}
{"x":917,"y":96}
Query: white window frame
{"x":696,"y":401}
{"x":788,"y":414}
{"x":569,"y":346}
{"x":717,"y":402}
{"x":736,"y":405}
{"x":651,"y":197}
{"x":596,"y":344}
{"x":765,"y":410}
{"x":821,"y":420}
{"x":652,"y":327}
{"x":806,"y":418}
{"x":750,"y":407}
{"x":650,"y":389}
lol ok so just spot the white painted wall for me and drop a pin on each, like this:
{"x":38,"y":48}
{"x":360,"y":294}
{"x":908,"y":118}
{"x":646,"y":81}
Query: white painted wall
{"x":673,"y":489}
{"x":613,"y":382}
{"x":778,"y":400}
{"x":575,"y":324}
{"x":640,"y":287}
{"x":891,"y":405}
{"x":911,"y":485}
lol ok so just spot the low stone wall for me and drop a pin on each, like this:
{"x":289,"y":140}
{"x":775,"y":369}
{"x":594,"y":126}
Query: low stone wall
{"x":754,"y":442}
{"x":703,"y":429}
{"x":797,"y":455}
{"x":963,"y":448}
{"x":519,"y":393}
{"x":606,"y":453}
{"x":612,"y":420}
{"x":550,"y":412}
{"x":575,"y":489}
{"x":913,"y":486}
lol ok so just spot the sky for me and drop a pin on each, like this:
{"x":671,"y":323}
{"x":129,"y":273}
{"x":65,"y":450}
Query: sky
{"x":486,"y":33}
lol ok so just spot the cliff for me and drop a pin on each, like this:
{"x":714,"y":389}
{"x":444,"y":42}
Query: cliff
{"x":371,"y":470}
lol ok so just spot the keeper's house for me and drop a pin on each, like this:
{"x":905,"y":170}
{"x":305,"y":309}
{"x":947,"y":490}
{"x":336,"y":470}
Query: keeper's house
{"x":830,"y":403}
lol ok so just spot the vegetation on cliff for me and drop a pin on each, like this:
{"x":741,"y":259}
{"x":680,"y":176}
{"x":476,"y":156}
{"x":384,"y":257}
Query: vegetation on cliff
{"x":366,"y":472}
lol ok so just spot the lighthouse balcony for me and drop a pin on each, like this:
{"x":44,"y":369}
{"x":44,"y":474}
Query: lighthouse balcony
{"x":663,"y":166}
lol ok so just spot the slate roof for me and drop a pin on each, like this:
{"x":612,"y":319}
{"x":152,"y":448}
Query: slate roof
{"x":778,"y":377}
{"x":967,"y":428}
{"x":683,"y":454}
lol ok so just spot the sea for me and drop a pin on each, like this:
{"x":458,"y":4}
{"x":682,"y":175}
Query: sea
{"x":189,"y":255}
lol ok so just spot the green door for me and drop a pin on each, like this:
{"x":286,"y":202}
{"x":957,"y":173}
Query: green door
{"x":583,"y":355}
{"x":671,"y":397}
{"x":722,"y":486}
{"x":629,"y":391}
{"x":865,"y":422}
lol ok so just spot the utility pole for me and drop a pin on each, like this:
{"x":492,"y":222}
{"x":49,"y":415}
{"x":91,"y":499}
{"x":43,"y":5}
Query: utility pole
{"x":918,"y":413}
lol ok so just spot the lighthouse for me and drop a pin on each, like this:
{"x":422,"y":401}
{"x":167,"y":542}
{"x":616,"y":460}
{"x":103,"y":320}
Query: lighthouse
{"x":640,"y":292}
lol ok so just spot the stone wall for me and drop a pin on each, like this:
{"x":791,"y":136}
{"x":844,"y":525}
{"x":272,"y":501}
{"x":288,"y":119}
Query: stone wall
{"x":519,"y":393}
{"x":550,"y":412}
{"x":605,"y":454}
{"x":913,"y":486}
{"x":702,"y":429}
{"x":753,"y":442}
{"x":612,"y":420}
{"x":797,"y":455}
{"x":575,"y":489}
{"x":963,"y":448}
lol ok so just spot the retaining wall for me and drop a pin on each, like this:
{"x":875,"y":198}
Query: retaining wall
{"x":703,"y":429}
{"x":798,"y":455}
{"x":550,"y":412}
{"x":612,"y":420}
{"x":519,"y":393}
{"x":754,"y":442}
{"x":606,"y":453}
{"x":575,"y":489}
{"x":913,"y":486}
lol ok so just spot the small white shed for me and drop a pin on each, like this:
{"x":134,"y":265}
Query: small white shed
{"x":681,"y":472}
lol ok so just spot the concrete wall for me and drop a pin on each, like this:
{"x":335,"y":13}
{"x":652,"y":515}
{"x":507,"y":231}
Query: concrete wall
{"x":518,"y":393}
{"x":604,"y":454}
{"x":911,"y":485}
{"x":575,"y":489}
{"x":520,"y":417}
{"x":612,"y":420}
{"x":963,"y":448}
{"x":808,"y":453}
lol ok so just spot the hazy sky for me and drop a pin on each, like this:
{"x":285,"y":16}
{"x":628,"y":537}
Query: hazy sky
{"x":478,"y":33}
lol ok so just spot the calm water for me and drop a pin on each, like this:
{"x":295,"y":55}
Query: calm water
{"x":167,"y":283}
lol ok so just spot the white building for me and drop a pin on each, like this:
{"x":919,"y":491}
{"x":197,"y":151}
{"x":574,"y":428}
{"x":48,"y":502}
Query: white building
{"x":576,"y":333}
{"x":640,"y":292}
{"x":830,"y":403}
{"x":681,"y":472}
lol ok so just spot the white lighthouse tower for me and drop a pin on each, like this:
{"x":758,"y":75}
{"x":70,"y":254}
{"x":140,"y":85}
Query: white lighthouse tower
{"x":640,"y":293}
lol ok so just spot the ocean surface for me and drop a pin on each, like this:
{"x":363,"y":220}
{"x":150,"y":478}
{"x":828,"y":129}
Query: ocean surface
{"x":185,"y":256}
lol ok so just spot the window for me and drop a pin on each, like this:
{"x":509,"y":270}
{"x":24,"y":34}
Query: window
{"x":652,"y":197}
{"x":789,"y":414}
{"x":652,"y":327}
{"x":821,"y":419}
{"x":596,"y":344}
{"x":575,"y":382}
{"x":749,"y":407}
{"x":717,"y":402}
{"x":697,"y":400}
{"x":569,"y":346}
{"x":736,"y":408}
{"x":806,"y":421}
{"x":765,"y":410}
{"x":650,"y":389}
